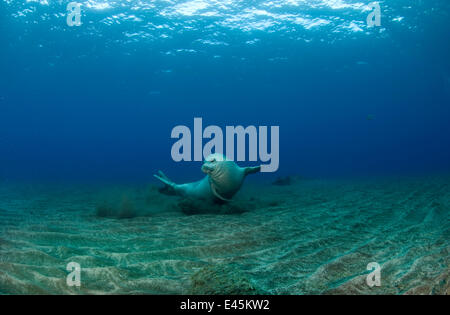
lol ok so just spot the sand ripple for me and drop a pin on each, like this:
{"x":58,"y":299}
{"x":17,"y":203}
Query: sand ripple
{"x":310,"y":238}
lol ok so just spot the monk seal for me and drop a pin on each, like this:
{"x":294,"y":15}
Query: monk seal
{"x":223,"y":180}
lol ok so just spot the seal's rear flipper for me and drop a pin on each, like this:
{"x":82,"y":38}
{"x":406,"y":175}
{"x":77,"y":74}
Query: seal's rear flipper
{"x":162,"y":175}
{"x":169,"y":186}
{"x":251,"y":170}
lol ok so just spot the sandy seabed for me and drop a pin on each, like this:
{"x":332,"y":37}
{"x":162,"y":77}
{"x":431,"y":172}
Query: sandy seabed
{"x":312,"y":237}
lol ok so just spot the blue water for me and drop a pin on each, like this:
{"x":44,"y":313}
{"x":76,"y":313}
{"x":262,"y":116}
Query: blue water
{"x":97,"y":103}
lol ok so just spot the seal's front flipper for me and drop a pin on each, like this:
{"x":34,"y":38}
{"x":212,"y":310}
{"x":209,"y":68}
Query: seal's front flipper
{"x":252,"y":170}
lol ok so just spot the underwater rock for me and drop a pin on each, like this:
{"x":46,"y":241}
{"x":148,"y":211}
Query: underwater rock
{"x":133,"y":203}
{"x":285,"y":180}
{"x":124,"y":210}
{"x":192,"y":206}
{"x":221,"y":279}
{"x":198,"y":206}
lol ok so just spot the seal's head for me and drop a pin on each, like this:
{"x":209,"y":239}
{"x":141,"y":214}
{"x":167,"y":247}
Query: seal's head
{"x":211,"y":162}
{"x":225,"y":176}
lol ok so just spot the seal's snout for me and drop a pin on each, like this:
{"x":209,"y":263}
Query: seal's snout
{"x":211,"y":161}
{"x":207,"y":167}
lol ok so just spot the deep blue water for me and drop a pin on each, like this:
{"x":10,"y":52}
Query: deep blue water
{"x":98,"y":101}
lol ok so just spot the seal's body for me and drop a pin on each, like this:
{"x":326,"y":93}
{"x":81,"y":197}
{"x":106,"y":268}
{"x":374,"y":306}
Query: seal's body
{"x":223,"y":180}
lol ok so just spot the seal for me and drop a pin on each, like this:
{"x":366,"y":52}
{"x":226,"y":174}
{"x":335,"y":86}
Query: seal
{"x":223,"y":180}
